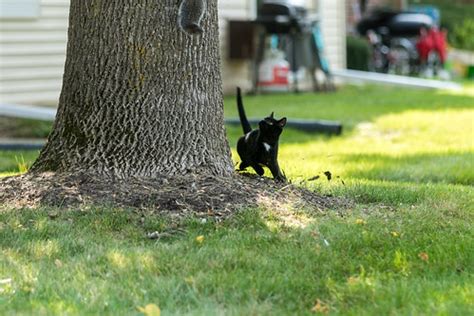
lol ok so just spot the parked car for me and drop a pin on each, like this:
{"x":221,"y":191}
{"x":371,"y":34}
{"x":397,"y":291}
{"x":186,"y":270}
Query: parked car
{"x":404,"y":43}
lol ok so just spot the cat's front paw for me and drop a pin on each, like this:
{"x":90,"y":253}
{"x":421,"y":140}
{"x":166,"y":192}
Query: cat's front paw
{"x":281,"y":178}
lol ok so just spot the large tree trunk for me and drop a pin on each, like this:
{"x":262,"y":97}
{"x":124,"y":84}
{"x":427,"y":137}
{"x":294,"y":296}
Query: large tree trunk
{"x":139,"y":97}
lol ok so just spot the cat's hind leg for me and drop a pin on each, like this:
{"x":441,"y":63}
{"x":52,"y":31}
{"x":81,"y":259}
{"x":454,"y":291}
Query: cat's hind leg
{"x":258,"y":169}
{"x":243,"y":165}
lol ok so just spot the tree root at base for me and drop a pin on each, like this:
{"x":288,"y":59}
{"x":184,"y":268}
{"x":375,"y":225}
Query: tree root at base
{"x":194,"y":194}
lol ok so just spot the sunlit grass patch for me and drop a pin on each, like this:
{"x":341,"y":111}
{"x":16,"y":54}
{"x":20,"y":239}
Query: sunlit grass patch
{"x":426,"y":146}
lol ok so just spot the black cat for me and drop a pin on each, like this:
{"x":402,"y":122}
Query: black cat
{"x":260,"y":146}
{"x":190,"y":15}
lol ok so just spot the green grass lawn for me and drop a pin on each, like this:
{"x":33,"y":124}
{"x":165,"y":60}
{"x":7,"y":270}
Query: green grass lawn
{"x":406,"y":158}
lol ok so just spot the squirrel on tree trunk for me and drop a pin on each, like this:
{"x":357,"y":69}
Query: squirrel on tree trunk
{"x":190,"y":15}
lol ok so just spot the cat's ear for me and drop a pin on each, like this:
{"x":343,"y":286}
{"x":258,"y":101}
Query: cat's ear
{"x":271,"y":115}
{"x":282,"y":122}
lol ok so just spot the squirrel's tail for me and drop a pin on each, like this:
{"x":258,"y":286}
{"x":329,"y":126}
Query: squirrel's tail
{"x":243,"y":118}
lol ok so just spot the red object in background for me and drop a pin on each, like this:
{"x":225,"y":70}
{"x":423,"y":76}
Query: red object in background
{"x":432,"y":40}
{"x":440,"y":44}
{"x":273,"y":74}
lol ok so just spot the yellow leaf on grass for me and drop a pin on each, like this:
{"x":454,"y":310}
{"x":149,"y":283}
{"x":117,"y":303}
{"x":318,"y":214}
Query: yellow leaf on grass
{"x":423,"y":256}
{"x":360,"y":221}
{"x":150,"y":310}
{"x":200,"y":239}
{"x":395,"y":234}
{"x":320,"y":307}
{"x":353,"y":280}
{"x":189,"y":280}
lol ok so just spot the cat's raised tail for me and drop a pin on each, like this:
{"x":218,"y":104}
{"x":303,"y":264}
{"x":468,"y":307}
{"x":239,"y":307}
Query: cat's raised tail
{"x":243,"y":118}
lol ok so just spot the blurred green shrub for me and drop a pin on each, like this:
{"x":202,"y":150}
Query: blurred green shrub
{"x":453,"y":13}
{"x":462,"y":36}
{"x":358,"y":53}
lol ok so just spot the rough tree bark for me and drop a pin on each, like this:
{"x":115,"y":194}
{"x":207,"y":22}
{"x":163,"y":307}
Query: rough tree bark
{"x":139,"y":97}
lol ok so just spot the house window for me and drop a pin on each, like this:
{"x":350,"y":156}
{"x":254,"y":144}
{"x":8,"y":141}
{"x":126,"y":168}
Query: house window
{"x":26,"y":9}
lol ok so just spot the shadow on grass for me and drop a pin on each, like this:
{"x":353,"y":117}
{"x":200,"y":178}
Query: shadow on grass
{"x":437,"y":195}
{"x":452,"y":168}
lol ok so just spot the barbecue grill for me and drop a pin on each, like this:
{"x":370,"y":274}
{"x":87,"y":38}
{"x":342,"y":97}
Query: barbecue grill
{"x":291,"y":23}
{"x":281,"y":17}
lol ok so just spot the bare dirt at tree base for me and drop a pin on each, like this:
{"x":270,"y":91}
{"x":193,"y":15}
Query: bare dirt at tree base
{"x":202,"y":195}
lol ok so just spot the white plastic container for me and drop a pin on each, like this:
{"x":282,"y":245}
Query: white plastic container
{"x":273,"y":72}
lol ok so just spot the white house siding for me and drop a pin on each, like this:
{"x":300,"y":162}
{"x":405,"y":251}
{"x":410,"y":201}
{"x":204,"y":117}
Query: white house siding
{"x":234,"y":73}
{"x":32,"y":55}
{"x":32,"y":50}
{"x":333,"y":27}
